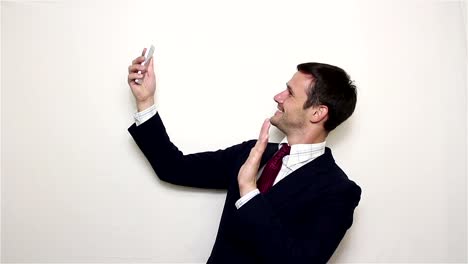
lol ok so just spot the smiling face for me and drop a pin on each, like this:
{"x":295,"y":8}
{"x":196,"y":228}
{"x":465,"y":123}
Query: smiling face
{"x":291,"y":117}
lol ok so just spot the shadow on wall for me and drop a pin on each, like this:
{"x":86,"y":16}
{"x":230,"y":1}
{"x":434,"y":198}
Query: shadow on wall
{"x":350,"y":237}
{"x":341,"y":133}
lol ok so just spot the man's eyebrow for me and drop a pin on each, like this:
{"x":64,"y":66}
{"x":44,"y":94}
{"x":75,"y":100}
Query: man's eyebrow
{"x":289,"y":89}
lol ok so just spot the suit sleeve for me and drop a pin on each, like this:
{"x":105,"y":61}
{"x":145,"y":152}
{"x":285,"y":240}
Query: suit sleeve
{"x":203,"y":170}
{"x":321,"y":231}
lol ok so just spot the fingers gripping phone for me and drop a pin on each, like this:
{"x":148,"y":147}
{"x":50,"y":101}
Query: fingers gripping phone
{"x":148,"y":56}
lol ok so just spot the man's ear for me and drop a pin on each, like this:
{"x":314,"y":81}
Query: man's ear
{"x":319,"y":114}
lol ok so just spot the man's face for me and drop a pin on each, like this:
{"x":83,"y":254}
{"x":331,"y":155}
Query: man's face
{"x":291,"y":117}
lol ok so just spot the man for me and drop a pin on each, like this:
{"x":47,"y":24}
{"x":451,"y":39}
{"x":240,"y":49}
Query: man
{"x":297,"y":207}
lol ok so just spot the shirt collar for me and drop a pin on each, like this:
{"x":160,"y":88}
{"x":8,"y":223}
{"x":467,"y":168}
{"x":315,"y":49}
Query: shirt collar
{"x":301,"y":153}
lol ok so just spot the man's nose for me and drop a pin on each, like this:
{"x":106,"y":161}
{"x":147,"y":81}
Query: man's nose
{"x":279,"y":98}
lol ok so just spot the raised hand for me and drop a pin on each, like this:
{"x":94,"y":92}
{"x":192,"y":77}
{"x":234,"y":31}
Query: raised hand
{"x":248,"y":172}
{"x":144,"y":91}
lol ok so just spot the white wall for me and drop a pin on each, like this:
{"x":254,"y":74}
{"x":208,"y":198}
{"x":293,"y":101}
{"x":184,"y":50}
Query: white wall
{"x":76,"y":188}
{"x":465,"y":13}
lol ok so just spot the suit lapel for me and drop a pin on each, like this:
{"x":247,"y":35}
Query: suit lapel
{"x":312,"y":176}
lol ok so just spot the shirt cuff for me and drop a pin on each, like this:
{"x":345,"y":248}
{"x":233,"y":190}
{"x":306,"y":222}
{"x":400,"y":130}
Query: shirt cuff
{"x":244,"y":199}
{"x":143,"y":116}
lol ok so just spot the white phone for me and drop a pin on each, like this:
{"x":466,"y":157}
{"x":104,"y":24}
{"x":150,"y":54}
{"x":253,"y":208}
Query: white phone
{"x":148,"y":56}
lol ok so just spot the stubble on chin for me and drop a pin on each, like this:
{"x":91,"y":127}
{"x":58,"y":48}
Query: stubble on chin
{"x":275,"y":121}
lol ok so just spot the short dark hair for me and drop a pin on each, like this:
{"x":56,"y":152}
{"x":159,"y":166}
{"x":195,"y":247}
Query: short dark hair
{"x":332,"y":87}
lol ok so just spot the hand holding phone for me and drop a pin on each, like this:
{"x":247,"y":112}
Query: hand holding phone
{"x":148,"y":56}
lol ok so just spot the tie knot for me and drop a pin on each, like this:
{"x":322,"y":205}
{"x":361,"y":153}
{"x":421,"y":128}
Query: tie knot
{"x":284,"y":150}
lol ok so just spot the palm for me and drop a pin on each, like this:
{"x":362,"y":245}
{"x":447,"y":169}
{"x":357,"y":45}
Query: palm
{"x":146,"y":89}
{"x":248,"y":171}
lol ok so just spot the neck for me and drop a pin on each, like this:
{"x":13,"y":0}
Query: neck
{"x":307,"y":138}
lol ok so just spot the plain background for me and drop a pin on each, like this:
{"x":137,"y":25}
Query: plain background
{"x":76,"y":188}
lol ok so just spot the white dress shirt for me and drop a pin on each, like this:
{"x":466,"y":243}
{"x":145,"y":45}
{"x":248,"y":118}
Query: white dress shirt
{"x":299,"y":155}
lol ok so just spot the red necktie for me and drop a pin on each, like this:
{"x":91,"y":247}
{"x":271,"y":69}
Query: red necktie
{"x":272,"y":169}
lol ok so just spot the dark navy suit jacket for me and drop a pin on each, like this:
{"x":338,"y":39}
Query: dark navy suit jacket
{"x":301,"y":219}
